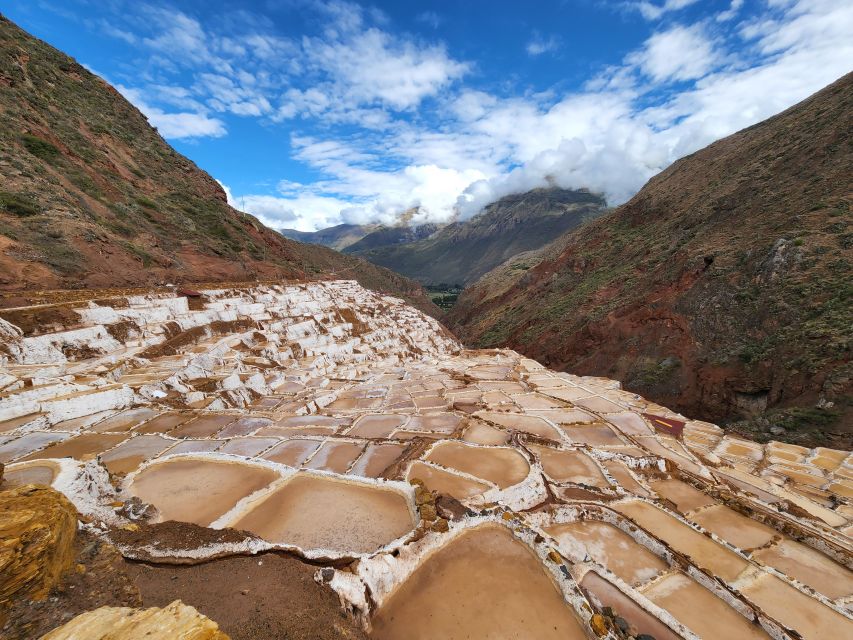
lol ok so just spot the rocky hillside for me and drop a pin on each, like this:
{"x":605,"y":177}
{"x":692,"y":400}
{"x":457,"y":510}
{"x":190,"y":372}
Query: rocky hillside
{"x":461,"y":252}
{"x":386,"y":236}
{"x":722,"y":288}
{"x":91,"y":195}
{"x":338,"y":237}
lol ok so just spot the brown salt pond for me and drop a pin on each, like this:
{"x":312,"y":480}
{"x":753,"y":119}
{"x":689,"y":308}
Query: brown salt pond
{"x":528,"y":424}
{"x":483,"y":584}
{"x":40,"y":472}
{"x":701,"y":611}
{"x":335,"y":456}
{"x":608,"y":595}
{"x":702,"y":550}
{"x":570,"y":466}
{"x":445,"y":482}
{"x":375,"y":459}
{"x":127,"y":456}
{"x":744,"y":533}
{"x":317,"y":512}
{"x":812,"y":619}
{"x":196,"y":490}
{"x":202,"y":427}
{"x":610,"y":547}
{"x":684,"y":496}
{"x":376,"y":426}
{"x":809,"y":566}
{"x":83,"y":447}
{"x":163,"y":423}
{"x":566,"y":416}
{"x":124,"y":421}
{"x":502,"y":466}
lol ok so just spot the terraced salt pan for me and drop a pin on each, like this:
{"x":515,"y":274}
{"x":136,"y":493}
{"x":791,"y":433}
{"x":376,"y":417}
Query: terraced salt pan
{"x":82,"y":447}
{"x":482,"y":433}
{"x":570,"y":466}
{"x":375,"y":459}
{"x":127,"y":456}
{"x":701,"y":549}
{"x":809,"y":566}
{"x":813,"y":620}
{"x":336,"y":456}
{"x":684,"y":496}
{"x":700,"y":610}
{"x":197,"y":490}
{"x":38,"y":472}
{"x":520,"y":422}
{"x":441,"y":481}
{"x":316,"y":512}
{"x":610,"y":547}
{"x":483,"y":584}
{"x":606,"y":594}
{"x":742,"y":532}
{"x":504,"y":467}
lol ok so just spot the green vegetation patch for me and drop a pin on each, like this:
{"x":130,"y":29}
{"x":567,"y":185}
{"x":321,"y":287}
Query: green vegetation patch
{"x":18,"y":204}
{"x":39,"y":147}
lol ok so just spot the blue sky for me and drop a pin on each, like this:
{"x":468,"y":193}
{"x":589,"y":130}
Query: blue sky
{"x":316,"y":112}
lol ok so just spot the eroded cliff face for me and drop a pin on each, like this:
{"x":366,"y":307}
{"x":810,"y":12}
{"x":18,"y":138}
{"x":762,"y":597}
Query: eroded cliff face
{"x":420,"y":490}
{"x":721,"y":289}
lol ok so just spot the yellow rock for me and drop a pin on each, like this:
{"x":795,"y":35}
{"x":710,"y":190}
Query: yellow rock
{"x":175,"y":620}
{"x":131,"y":527}
{"x":598,"y":624}
{"x":37,"y":528}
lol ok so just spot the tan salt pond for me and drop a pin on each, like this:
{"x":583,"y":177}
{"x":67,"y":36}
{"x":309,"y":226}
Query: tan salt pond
{"x":502,"y":466}
{"x":197,"y":490}
{"x":566,"y":416}
{"x":292,"y":452}
{"x":528,"y":424}
{"x":630,"y":423}
{"x":29,"y":473}
{"x":595,"y":435}
{"x":701,"y":611}
{"x":684,"y":496}
{"x":83,"y":447}
{"x":742,"y":532}
{"x":483,"y":584}
{"x":376,"y":426}
{"x":570,"y":466}
{"x":608,"y":595}
{"x":702,"y":550}
{"x":375,"y":459}
{"x":248,"y":446}
{"x":317,"y":512}
{"x":482,"y":433}
{"x":598,"y":404}
{"x":442,"y":481}
{"x":812,"y":619}
{"x":127,"y":456}
{"x":445,"y":423}
{"x":335,"y":456}
{"x":809,"y":566}
{"x":244,"y":427}
{"x":623,"y":477}
{"x":610,"y":547}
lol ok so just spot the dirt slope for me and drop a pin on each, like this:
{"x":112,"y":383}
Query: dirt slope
{"x":723,"y":288}
{"x":91,"y":195}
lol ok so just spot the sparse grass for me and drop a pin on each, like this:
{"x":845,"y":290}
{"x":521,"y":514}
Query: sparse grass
{"x":18,"y":204}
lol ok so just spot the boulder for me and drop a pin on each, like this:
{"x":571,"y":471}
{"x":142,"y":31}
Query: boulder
{"x":175,"y":620}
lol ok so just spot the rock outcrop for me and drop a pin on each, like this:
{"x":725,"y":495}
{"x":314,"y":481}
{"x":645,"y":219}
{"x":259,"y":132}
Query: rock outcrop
{"x":176,"y":620}
{"x":37,"y":528}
